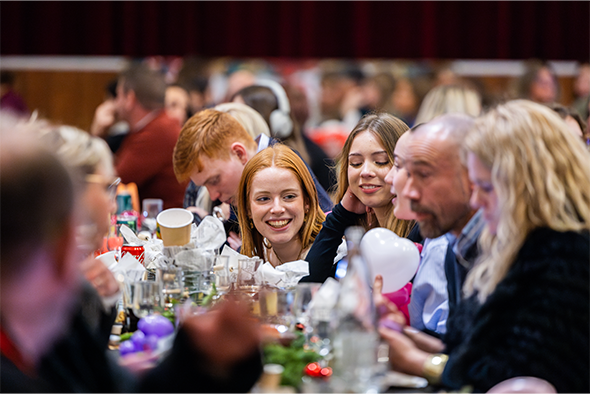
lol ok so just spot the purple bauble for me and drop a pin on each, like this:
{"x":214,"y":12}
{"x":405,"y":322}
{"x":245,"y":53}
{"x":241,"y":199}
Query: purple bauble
{"x":138,"y":339}
{"x":126,"y":347}
{"x":151,"y":343}
{"x":156,"y":325}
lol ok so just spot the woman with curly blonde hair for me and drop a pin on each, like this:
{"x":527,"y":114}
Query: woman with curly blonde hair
{"x":526,"y":304}
{"x":278,"y":207}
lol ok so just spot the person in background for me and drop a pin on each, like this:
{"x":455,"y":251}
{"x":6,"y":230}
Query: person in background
{"x":574,"y":121}
{"x":364,"y":197}
{"x":270,"y":100}
{"x":105,"y":123}
{"x":448,"y":99}
{"x":582,"y":91}
{"x":428,"y":308}
{"x":145,"y":155}
{"x":196,"y":198}
{"x":526,"y":302}
{"x":177,"y":103}
{"x":219,"y":349}
{"x":277,"y":205}
{"x":9,"y":99}
{"x":407,"y":96}
{"x":538,"y":83}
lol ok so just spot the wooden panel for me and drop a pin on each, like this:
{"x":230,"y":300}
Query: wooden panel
{"x":66,"y":97}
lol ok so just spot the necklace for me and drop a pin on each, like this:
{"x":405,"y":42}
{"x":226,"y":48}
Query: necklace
{"x":268,"y":247}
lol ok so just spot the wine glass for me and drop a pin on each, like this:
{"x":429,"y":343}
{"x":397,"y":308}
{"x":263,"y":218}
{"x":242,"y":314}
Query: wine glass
{"x":146,"y":298}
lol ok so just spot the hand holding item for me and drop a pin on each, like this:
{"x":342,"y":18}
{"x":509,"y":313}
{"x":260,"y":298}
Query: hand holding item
{"x":226,"y":335}
{"x":390,"y":316}
{"x":98,"y":274}
{"x":395,"y":258}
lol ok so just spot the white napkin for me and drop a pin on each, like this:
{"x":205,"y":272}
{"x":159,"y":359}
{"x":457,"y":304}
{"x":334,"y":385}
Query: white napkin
{"x":284,"y":276}
{"x":210,"y":234}
{"x":128,"y":269}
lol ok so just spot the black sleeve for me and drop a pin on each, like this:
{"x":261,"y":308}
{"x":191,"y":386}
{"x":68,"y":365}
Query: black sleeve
{"x":324,"y":249}
{"x":185,"y":370}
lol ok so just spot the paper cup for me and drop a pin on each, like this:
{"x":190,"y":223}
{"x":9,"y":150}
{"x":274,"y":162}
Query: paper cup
{"x":175,"y":226}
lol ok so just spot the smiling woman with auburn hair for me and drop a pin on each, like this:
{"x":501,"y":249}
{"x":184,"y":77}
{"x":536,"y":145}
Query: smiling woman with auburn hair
{"x":278,"y":208}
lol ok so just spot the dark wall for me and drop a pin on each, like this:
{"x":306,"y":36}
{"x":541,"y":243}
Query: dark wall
{"x":469,"y":30}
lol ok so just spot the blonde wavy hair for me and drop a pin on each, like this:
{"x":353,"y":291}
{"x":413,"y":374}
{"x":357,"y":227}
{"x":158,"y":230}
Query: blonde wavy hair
{"x":448,"y":99}
{"x":248,"y":117}
{"x":388,"y":129}
{"x":280,"y":156}
{"x":541,"y":174}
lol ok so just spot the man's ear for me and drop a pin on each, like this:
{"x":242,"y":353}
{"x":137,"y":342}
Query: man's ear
{"x":238,"y":149}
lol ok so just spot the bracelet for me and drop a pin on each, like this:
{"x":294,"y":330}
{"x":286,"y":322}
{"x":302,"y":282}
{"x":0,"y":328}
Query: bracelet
{"x":433,"y":367}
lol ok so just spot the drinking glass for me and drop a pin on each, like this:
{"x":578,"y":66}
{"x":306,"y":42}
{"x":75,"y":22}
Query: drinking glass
{"x":146,"y":298}
{"x":304,"y":292}
{"x":246,"y":281}
{"x":151,"y":207}
{"x":172,"y":284}
{"x":276,"y":306}
{"x":222,"y":278}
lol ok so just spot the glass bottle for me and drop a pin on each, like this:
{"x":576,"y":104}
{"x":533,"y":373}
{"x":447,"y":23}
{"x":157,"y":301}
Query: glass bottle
{"x":355,"y":337}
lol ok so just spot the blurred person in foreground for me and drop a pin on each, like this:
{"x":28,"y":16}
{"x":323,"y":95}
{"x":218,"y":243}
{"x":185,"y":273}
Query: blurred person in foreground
{"x":210,"y":352}
{"x":526,"y":303}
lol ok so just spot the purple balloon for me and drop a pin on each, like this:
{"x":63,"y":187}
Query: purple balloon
{"x":156,"y":325}
{"x":138,"y":339}
{"x":126,"y":347}
{"x":151,"y":343}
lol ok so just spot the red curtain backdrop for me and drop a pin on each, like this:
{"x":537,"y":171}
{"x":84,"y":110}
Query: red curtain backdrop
{"x":413,"y":30}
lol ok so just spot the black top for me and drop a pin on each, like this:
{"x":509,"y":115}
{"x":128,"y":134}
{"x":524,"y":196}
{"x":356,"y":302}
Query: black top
{"x":535,"y":323}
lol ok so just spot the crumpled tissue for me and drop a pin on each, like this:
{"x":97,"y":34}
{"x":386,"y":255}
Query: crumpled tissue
{"x":284,"y":276}
{"x":210,"y":234}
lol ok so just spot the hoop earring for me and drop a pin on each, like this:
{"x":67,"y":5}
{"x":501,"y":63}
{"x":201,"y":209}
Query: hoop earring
{"x":266,"y":244}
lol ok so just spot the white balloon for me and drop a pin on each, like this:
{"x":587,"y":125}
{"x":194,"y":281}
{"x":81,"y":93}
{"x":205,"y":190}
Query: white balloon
{"x":393,"y":257}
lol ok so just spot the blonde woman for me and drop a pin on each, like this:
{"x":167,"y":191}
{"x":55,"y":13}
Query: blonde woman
{"x":526,"y":305}
{"x":448,"y":99}
{"x":278,"y":208}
